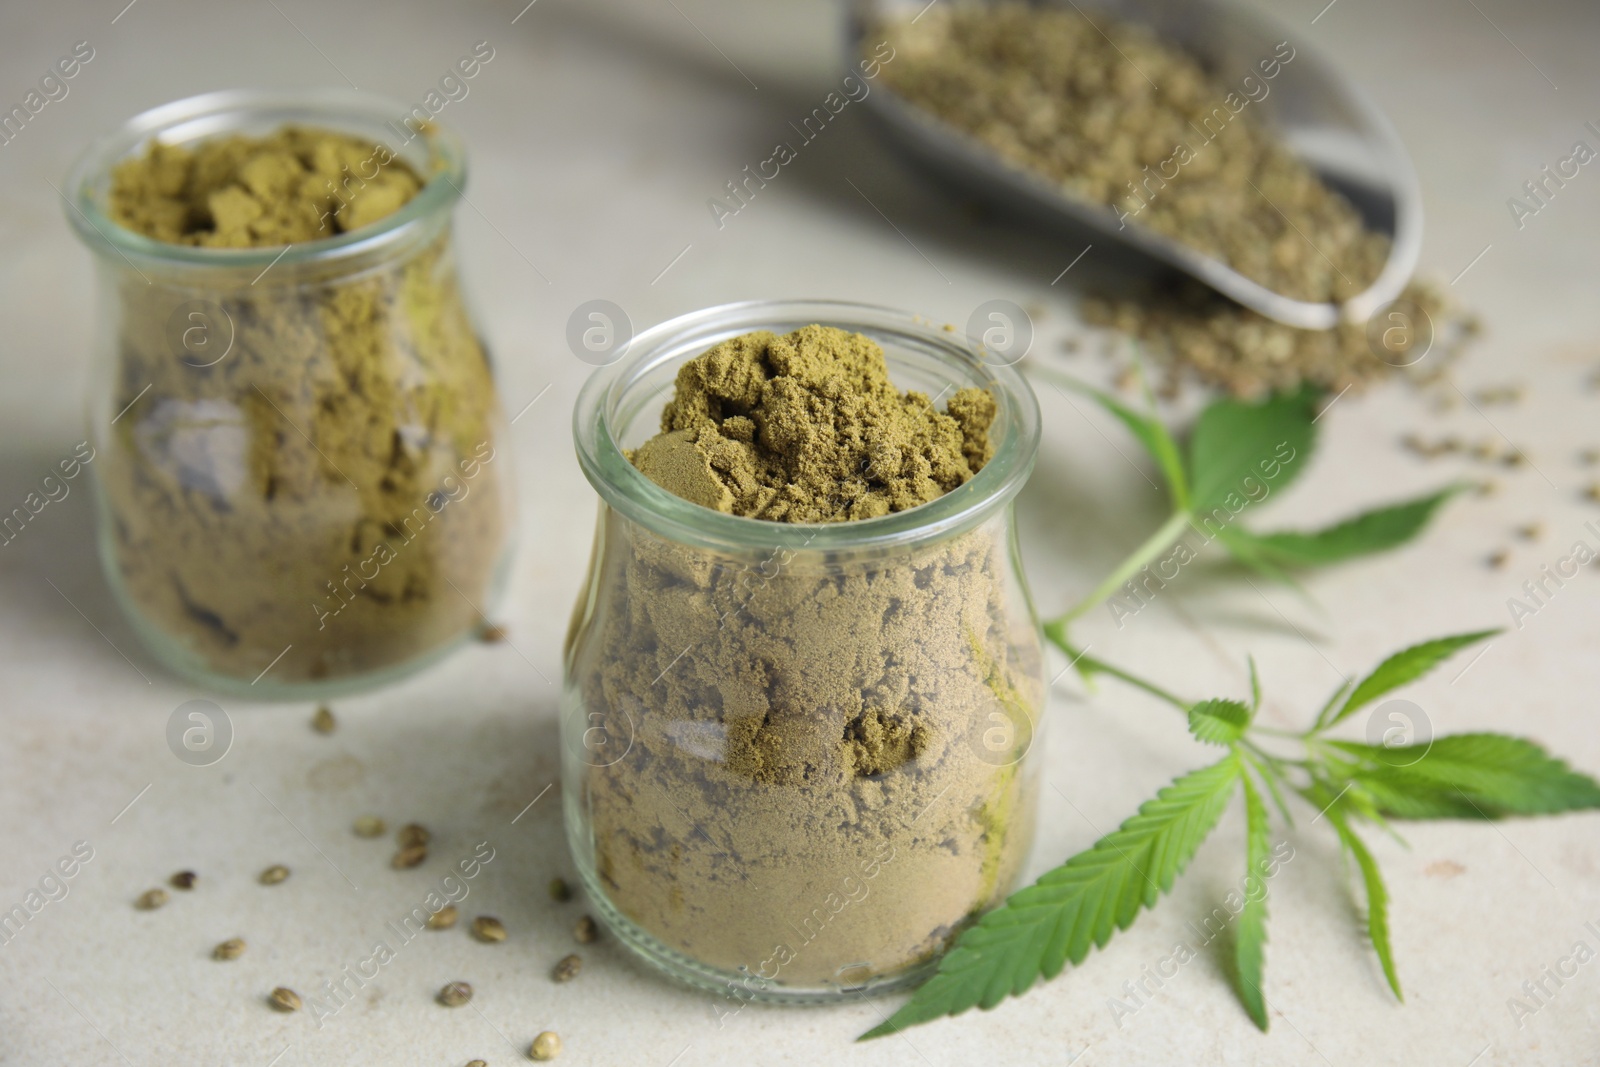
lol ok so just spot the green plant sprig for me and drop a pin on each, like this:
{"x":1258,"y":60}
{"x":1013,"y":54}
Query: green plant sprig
{"x":1239,"y":453}
{"x":1102,"y":889}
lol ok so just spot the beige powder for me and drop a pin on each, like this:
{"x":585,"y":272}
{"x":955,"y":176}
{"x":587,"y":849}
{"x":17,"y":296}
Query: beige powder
{"x":318,"y":490}
{"x":808,"y":795}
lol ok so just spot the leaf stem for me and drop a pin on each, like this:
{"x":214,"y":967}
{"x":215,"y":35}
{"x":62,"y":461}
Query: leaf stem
{"x":1089,"y":665}
{"x":1142,"y":555}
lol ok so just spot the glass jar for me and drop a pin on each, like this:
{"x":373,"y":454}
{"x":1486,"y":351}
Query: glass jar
{"x":797,"y":759}
{"x":301,"y":480}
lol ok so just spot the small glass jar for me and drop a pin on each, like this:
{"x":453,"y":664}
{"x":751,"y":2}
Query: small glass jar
{"x":301,"y":477}
{"x":797,"y":759}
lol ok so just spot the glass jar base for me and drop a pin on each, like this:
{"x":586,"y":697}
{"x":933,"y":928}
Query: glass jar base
{"x":737,"y":988}
{"x":183,"y":662}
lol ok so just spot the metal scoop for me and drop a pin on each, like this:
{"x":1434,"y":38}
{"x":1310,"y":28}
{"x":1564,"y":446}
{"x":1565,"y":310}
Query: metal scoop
{"x":1323,"y":118}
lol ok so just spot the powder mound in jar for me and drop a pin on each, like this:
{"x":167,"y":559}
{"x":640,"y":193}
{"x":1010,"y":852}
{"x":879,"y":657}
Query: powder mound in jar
{"x":808,"y":427}
{"x":316,"y":481}
{"x":297,"y":184}
{"x":807,"y":794}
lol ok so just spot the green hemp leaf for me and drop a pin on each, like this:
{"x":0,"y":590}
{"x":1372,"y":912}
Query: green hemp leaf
{"x":1239,"y":453}
{"x":1250,"y":940}
{"x":1080,"y":904}
{"x":1400,"y":669}
{"x":1218,"y":722}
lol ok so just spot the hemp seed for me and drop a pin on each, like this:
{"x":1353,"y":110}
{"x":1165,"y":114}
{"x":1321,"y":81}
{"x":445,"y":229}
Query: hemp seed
{"x":560,"y":891}
{"x":547,"y":1046}
{"x":567,"y":969}
{"x":184,"y":880}
{"x":586,"y":930}
{"x":444,"y":918}
{"x":477,"y":1063}
{"x":455,"y":994}
{"x":1531,"y":531}
{"x":1497,"y":558}
{"x":323,"y":721}
{"x":409,"y":857}
{"x":370,"y":826}
{"x":151,"y":899}
{"x":488,"y":929}
{"x":230,"y":949}
{"x":413,"y":834}
{"x":492,"y":634}
{"x":284,"y":999}
{"x":274,"y":874}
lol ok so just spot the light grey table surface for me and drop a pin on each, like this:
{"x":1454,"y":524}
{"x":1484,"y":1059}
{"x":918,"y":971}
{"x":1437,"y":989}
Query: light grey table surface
{"x":597,"y":133}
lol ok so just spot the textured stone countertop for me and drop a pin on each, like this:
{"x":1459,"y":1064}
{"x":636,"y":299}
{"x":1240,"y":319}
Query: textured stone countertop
{"x":597,"y":133}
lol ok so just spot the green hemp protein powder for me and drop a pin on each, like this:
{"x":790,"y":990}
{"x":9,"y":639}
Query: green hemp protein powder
{"x":304,"y":474}
{"x":807,"y":799}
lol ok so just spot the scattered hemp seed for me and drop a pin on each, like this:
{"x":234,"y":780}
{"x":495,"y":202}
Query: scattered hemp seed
{"x":455,"y":994}
{"x":370,"y":826}
{"x":1593,"y":492}
{"x":1589,"y":457}
{"x":1513,"y":458}
{"x":1531,"y":531}
{"x":1488,"y":487}
{"x":1443,"y":447}
{"x":477,"y":1063}
{"x":568,"y":967}
{"x":413,"y":834}
{"x":560,"y":891}
{"x":230,"y":949}
{"x":274,"y":874}
{"x":151,"y":899}
{"x":586,"y":930}
{"x":1497,"y":558}
{"x":323,"y":721}
{"x":1484,"y":450}
{"x":444,"y":918}
{"x":1501,"y":394}
{"x":547,"y":1046}
{"x":284,"y":999}
{"x":492,"y":634}
{"x":488,"y":929}
{"x":409,"y":857}
{"x":184,"y":880}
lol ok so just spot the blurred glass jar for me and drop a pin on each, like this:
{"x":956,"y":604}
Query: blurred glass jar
{"x":798,"y":759}
{"x":301,"y":484}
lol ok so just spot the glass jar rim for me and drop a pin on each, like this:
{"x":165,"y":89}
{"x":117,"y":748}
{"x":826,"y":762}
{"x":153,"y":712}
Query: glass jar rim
{"x":217,"y":113}
{"x":623,"y":487}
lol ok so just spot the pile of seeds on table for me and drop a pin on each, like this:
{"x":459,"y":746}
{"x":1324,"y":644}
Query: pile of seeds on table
{"x":1194,"y":333}
{"x":412,"y":840}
